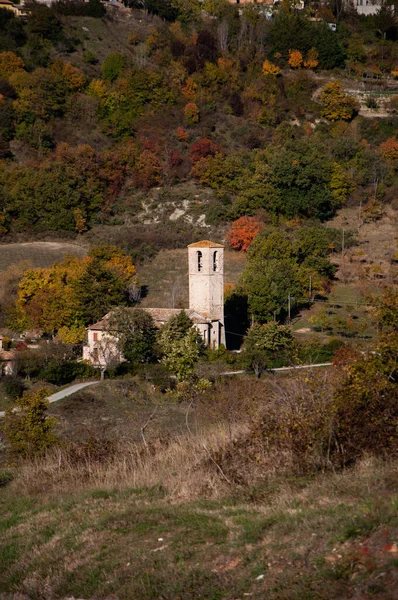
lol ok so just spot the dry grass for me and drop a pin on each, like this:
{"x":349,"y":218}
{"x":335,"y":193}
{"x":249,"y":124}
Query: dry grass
{"x":332,"y":538}
{"x":166,"y":277}
{"x":179,"y":466}
{"x":37,"y":254}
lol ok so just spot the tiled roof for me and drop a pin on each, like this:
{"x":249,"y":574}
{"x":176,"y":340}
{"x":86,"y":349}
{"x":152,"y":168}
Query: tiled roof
{"x":159,"y":315}
{"x":164,"y":314}
{"x":7,"y":354}
{"x":100,"y":324}
{"x":205,"y":244}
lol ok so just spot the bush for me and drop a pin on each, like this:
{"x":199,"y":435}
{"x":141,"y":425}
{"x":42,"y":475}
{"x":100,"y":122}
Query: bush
{"x":60,"y":372}
{"x":28,"y":431}
{"x":13,"y":386}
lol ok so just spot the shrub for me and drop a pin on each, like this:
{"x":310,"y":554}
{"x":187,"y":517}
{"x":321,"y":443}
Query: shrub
{"x":28,"y":431}
{"x":13,"y":386}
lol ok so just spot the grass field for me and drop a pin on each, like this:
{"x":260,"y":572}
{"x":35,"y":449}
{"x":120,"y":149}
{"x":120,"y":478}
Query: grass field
{"x":330,"y":538}
{"x":116,"y":410}
{"x":37,"y":254}
{"x":166,"y":277}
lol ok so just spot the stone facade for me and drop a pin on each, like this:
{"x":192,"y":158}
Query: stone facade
{"x":206,"y":306}
{"x":206,"y":286}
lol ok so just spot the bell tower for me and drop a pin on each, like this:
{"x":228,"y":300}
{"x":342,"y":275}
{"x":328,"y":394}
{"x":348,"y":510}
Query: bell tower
{"x":206,"y":285}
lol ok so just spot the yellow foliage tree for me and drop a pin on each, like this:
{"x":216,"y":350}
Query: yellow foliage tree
{"x":336,"y":105}
{"x":270,"y":69}
{"x":73,"y":76}
{"x":97,"y":88}
{"x":295,"y":59}
{"x":10,"y":63}
{"x":311,"y":60}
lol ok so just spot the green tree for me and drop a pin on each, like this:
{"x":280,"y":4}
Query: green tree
{"x":268,"y":285}
{"x":266,"y":342}
{"x":28,"y":430}
{"x":180,"y":346}
{"x":112,"y":66}
{"x":136,"y":331}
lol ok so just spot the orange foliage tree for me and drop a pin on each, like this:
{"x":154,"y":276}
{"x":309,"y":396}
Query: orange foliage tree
{"x":191,"y":113}
{"x":270,"y":69}
{"x":182,"y":134}
{"x":242,"y":232}
{"x":311,"y":60}
{"x":389,"y":150}
{"x":295,"y":59}
{"x":189,"y":89}
{"x":10,"y":63}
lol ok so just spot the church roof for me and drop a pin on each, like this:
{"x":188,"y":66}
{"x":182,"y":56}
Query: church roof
{"x":164,"y":314}
{"x":160,"y":315}
{"x":205,"y":244}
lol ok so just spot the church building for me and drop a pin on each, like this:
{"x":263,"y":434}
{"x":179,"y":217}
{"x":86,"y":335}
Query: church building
{"x":206,"y":305}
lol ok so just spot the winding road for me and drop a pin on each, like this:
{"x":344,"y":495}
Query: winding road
{"x":72,"y":389}
{"x":76,"y":387}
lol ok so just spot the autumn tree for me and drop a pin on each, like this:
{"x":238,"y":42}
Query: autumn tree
{"x":295,"y":59}
{"x":191,"y":113}
{"x":242,"y":232}
{"x":389,"y":151}
{"x":270,"y":69}
{"x":311,"y":59}
{"x":203,"y":148}
{"x":70,"y":295}
{"x":10,"y":63}
{"x":336,"y":104}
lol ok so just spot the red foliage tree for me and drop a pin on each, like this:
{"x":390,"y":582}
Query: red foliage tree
{"x":242,"y":232}
{"x":203,"y":148}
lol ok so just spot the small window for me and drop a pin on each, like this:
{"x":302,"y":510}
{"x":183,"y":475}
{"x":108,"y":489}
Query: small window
{"x":95,"y":336}
{"x":215,"y":261}
{"x":199,"y":254}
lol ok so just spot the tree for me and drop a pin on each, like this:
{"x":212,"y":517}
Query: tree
{"x":191,"y":113}
{"x":10,"y":63}
{"x":268,"y":285}
{"x":180,"y":346}
{"x":270,"y":69}
{"x":311,"y":59}
{"x":242,"y":232}
{"x":135,"y":331}
{"x":112,"y":66}
{"x":203,"y":148}
{"x":75,"y":292}
{"x":389,"y":151}
{"x":28,"y":430}
{"x":336,"y":104}
{"x":295,"y":59}
{"x":264,"y":342}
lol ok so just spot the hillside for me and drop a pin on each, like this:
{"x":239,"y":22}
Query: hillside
{"x":330,"y":537}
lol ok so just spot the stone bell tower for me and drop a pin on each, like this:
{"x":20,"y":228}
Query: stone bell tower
{"x":206,"y":286}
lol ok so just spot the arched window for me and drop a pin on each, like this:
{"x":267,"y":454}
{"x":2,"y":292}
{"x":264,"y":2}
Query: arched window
{"x":199,"y":254}
{"x":215,"y":261}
